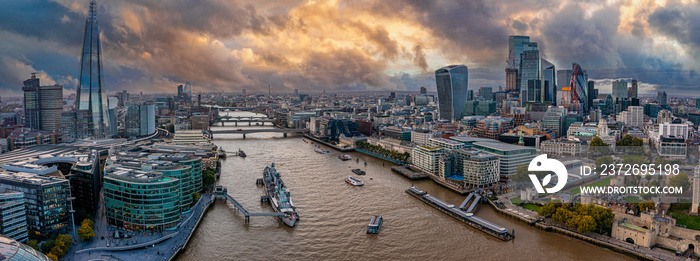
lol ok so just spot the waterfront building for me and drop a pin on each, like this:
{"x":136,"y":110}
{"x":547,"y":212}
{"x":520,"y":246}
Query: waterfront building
{"x":25,"y":138}
{"x":13,"y":250}
{"x":510,"y":156}
{"x":47,"y":200}
{"x":446,"y":143}
{"x":426,"y":158}
{"x":480,"y":169}
{"x":140,"y":200}
{"x":420,"y":136}
{"x":398,"y":133}
{"x":91,"y":99}
{"x":619,"y":89}
{"x":13,"y":215}
{"x":654,"y":228}
{"x":141,"y":120}
{"x":42,"y":105}
{"x":190,"y":137}
{"x":452,"y":82}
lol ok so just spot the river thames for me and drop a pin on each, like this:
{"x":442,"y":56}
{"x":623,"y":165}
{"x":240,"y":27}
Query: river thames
{"x":334,"y":215}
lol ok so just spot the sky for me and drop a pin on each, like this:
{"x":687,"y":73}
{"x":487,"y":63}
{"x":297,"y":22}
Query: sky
{"x":335,"y":45}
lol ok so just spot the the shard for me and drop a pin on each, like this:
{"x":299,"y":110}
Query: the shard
{"x":91,"y":103}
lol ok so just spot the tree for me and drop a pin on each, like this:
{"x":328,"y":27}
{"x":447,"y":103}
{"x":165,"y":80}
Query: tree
{"x":680,"y":180}
{"x":628,"y":140}
{"x":598,"y":142}
{"x":521,"y":174}
{"x":548,"y":209}
{"x":196,"y":196}
{"x":586,"y":224}
{"x":604,"y":160}
{"x":86,"y":232}
{"x":647,"y":204}
{"x":33,"y":244}
{"x":52,"y":256}
{"x":208,"y":178}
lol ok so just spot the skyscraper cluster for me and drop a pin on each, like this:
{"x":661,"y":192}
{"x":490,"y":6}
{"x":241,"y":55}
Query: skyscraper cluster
{"x":529,"y":76}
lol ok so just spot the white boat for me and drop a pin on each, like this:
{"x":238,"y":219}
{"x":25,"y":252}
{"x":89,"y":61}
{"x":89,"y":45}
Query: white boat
{"x":320,"y":150}
{"x":354,"y":181}
{"x":345,"y":157}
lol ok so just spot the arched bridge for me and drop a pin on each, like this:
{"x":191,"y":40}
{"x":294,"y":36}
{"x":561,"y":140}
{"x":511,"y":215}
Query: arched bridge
{"x":248,"y":131}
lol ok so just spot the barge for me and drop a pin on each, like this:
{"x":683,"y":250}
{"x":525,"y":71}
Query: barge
{"x":468,"y":218}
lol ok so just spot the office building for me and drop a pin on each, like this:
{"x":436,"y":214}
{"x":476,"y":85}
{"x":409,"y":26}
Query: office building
{"x":479,"y":169}
{"x":549,"y":82}
{"x":140,"y":200}
{"x":517,"y":44}
{"x":24,"y":138}
{"x":141,"y":120}
{"x":68,"y":127}
{"x":485,"y":93}
{"x":530,"y":70}
{"x":452,"y":82}
{"x":592,"y":94}
{"x":420,"y":136}
{"x":91,"y":99}
{"x":633,"y":116}
{"x":633,"y":91}
{"x":42,"y":105}
{"x":510,"y":156}
{"x":426,"y":158}
{"x":492,"y":127}
{"x":619,"y":89}
{"x":661,"y":98}
{"x":398,"y":133}
{"x":554,"y":119}
{"x":47,"y":200}
{"x":13,"y":215}
{"x":423,"y":90}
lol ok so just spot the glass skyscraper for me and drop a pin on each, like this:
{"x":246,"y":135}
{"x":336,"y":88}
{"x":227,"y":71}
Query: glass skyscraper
{"x":619,"y":89}
{"x":451,"y":84}
{"x":91,"y":101}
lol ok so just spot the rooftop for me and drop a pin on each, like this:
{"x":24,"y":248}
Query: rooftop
{"x":497,"y":145}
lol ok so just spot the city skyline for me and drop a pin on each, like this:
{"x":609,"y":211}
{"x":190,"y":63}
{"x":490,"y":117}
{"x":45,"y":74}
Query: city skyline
{"x":157,"y":46}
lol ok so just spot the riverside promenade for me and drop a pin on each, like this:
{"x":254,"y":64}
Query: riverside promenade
{"x":132,"y":245}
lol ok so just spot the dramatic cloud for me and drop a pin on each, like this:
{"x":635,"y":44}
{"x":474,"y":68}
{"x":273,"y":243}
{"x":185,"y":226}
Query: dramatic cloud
{"x":315,"y":45}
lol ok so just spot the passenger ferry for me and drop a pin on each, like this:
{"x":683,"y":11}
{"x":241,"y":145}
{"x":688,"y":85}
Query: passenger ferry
{"x":469,"y":218}
{"x":359,"y":172}
{"x":354,"y":181}
{"x":318,"y":149}
{"x":345,"y":157}
{"x":375,"y":224}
